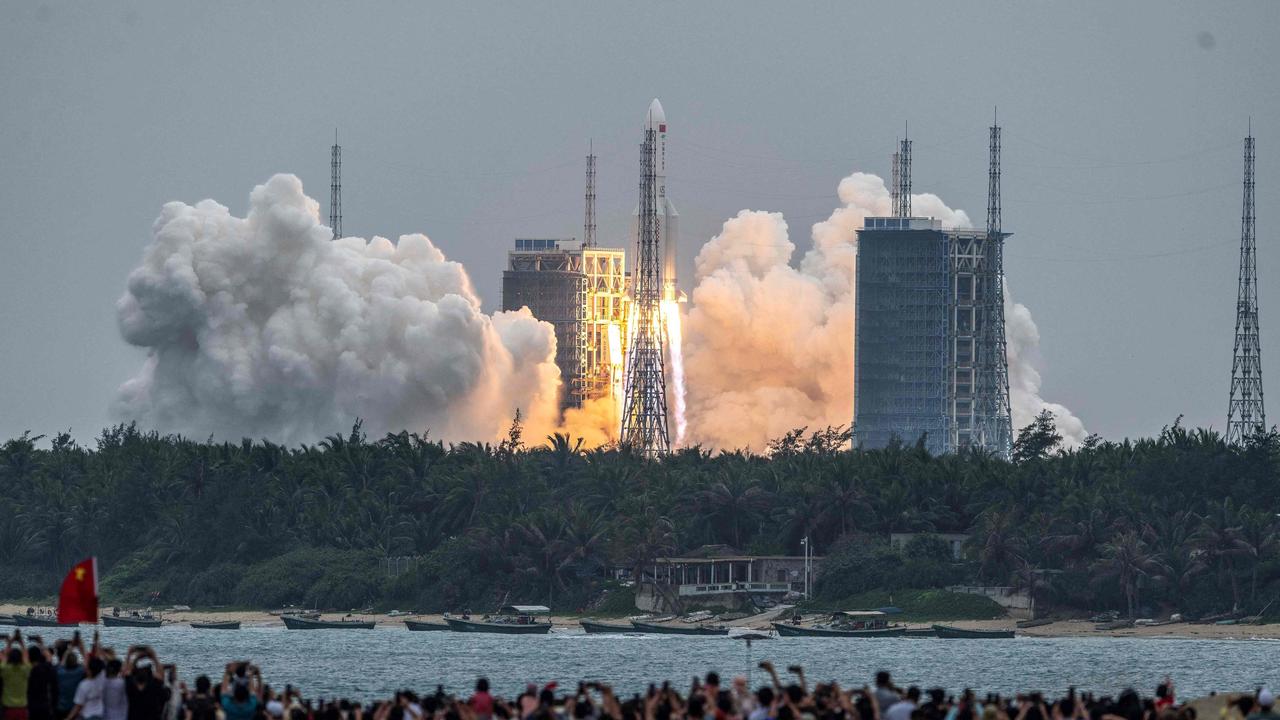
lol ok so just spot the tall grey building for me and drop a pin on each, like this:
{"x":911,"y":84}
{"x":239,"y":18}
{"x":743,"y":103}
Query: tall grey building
{"x":551,"y":282}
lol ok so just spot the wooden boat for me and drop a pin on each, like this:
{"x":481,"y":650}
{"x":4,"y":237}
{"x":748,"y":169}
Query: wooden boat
{"x":510,"y":620}
{"x":955,"y":633}
{"x":424,"y":626}
{"x":297,"y":622}
{"x":599,"y":628}
{"x":500,"y":625}
{"x":1033,"y":623}
{"x":789,"y":630}
{"x":1114,"y":625}
{"x":920,"y":633}
{"x":143,"y":621}
{"x":40,"y":621}
{"x":678,"y":629}
{"x":216,"y":624}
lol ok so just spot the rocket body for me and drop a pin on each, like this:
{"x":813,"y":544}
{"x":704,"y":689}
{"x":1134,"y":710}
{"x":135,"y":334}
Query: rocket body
{"x":668,"y":218}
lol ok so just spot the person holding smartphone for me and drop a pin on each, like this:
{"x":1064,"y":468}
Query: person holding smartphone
{"x":14,"y":673}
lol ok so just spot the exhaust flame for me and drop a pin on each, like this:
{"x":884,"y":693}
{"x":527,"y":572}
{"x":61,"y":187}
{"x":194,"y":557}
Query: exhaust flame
{"x":671,"y":320}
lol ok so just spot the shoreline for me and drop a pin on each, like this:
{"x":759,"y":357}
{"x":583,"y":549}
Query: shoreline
{"x":1055,"y":629}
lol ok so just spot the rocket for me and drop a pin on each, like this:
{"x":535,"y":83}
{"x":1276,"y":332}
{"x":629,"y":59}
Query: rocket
{"x":668,"y":218}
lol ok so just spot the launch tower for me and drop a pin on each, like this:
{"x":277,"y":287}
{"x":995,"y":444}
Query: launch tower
{"x":644,"y":410}
{"x":335,"y":188}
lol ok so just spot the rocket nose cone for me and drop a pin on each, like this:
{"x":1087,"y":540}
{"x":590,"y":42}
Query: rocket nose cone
{"x":655,"y":116}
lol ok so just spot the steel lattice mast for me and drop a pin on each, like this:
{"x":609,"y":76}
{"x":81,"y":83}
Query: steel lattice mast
{"x":997,"y":425}
{"x":589,"y":220}
{"x":1246,"y":414}
{"x":644,"y":411}
{"x":335,"y":188}
{"x":902,"y":180}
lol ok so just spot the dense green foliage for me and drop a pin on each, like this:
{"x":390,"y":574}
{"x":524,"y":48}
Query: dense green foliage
{"x":1181,"y":521}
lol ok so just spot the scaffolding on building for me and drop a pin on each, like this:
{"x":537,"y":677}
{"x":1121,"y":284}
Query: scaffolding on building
{"x":550,"y":280}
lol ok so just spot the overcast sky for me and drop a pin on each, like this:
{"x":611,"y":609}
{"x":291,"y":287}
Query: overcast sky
{"x":1123,"y":126}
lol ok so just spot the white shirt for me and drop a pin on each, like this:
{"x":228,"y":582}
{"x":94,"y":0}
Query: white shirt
{"x":900,"y":710}
{"x":115,"y":699}
{"x":89,"y":695}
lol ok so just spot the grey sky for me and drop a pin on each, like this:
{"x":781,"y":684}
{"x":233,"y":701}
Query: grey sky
{"x":468,"y":122}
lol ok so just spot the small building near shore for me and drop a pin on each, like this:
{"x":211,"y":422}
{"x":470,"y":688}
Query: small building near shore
{"x":720,"y":576}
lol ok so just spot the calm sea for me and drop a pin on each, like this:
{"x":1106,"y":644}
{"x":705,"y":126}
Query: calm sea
{"x":367,"y":664}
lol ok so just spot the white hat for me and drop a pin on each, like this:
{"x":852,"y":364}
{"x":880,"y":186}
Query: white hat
{"x":275,"y":708}
{"x":1265,"y":698}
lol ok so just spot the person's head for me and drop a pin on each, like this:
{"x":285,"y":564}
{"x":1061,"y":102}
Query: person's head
{"x":96,"y":666}
{"x":240,"y":693}
{"x":275,"y":709}
{"x":913,"y":694}
{"x":1265,"y":699}
{"x":937,"y":696}
{"x":713,"y":678}
{"x":114,"y":666}
{"x":482,"y":685}
{"x":882,"y":679}
{"x":764,"y":696}
{"x":203,"y":685}
{"x":14,"y":656}
{"x":795,"y":693}
{"x":35,"y":655}
{"x":696,"y":708}
{"x":142,"y":674}
{"x":71,"y":660}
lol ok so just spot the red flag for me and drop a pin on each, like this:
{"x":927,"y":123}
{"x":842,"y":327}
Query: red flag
{"x":78,"y":601}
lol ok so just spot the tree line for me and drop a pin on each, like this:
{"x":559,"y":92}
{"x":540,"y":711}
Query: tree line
{"x":1182,"y":521}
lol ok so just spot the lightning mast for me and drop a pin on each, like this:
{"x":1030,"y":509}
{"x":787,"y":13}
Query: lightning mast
{"x":644,"y":410}
{"x":589,"y":222}
{"x":993,"y":357}
{"x":335,"y":188}
{"x":894,"y":197}
{"x":1246,"y":414}
{"x":902,"y":179}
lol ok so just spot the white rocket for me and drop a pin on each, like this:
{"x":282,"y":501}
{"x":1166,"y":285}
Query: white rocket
{"x":668,"y":218}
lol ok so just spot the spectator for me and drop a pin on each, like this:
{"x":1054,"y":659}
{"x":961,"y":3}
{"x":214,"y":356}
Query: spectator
{"x":115,"y":697}
{"x":15,"y":674}
{"x":241,"y":691}
{"x":90,"y":691}
{"x":147,"y":692}
{"x":903,"y":709}
{"x":42,"y":685}
{"x":201,"y":705}
{"x":1265,"y":703}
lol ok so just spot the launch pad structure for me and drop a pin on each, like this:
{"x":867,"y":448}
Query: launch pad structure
{"x":930,"y":356}
{"x":1246,"y":414}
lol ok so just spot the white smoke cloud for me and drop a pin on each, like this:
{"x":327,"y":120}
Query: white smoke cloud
{"x":770,"y":346}
{"x":263,"y":327}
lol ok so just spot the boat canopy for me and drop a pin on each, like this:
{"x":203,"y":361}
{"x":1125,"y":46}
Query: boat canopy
{"x":527,"y":610}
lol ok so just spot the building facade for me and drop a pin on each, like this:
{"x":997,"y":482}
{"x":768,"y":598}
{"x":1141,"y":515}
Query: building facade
{"x":925,"y":366}
{"x":583,"y":293}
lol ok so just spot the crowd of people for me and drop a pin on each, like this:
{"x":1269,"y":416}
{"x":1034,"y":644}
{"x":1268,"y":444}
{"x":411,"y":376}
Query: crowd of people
{"x":70,"y":682}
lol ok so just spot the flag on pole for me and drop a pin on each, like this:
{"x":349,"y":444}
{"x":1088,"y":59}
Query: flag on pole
{"x":78,"y":601}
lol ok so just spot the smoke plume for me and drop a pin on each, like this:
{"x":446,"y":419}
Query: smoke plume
{"x":769,"y":346}
{"x":263,"y":327}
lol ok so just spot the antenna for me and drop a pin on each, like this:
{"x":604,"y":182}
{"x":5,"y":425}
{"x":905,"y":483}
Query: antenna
{"x":1246,"y":414}
{"x":335,"y":188}
{"x":589,"y":222}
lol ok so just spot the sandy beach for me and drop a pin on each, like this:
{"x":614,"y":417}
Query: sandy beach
{"x":1059,"y":628}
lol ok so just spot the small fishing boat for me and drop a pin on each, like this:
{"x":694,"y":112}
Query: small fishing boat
{"x":510,"y":620}
{"x":955,"y":633}
{"x":851,"y":623}
{"x":1033,"y":623}
{"x":1114,"y":625}
{"x":678,"y":629}
{"x":425,"y":626}
{"x":33,"y":620}
{"x":593,"y":627}
{"x":297,"y":622}
{"x":215,"y":624}
{"x":133,"y":619}
{"x":920,"y":633}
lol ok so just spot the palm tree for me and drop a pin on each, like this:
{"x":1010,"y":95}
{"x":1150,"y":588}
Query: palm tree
{"x":1127,"y":559}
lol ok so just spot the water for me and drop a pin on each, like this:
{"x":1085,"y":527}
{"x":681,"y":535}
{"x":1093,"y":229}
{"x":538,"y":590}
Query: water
{"x":374,"y":663}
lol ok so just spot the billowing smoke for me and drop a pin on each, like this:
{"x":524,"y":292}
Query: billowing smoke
{"x":770,"y":346}
{"x":263,"y":327}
